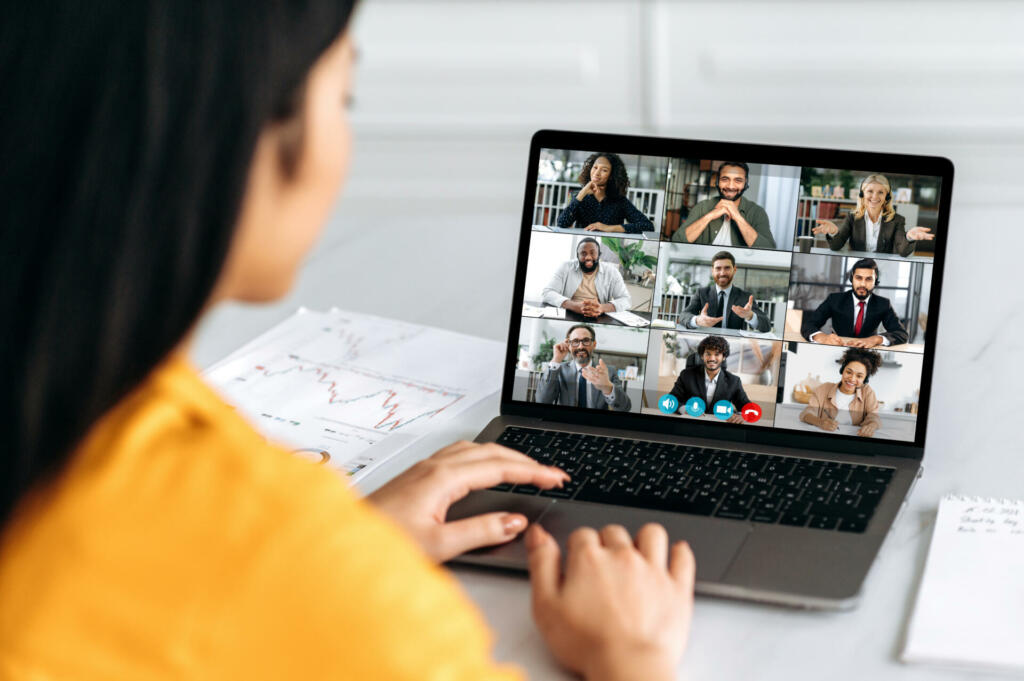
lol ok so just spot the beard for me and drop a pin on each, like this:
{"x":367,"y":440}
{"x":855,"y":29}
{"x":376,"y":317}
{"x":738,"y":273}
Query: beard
{"x":581,"y":356}
{"x":735,"y":197}
{"x":857,"y":293}
{"x":591,"y":268}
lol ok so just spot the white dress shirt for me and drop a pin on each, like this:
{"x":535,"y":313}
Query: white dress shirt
{"x":871,"y":230}
{"x":709,"y":386}
{"x":724,"y":236}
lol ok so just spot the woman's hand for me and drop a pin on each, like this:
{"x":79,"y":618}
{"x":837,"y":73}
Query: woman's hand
{"x":622,"y":610}
{"x":825,"y":227}
{"x":867,"y":430}
{"x":920,"y":234}
{"x":588,"y":188}
{"x":419,"y":498}
{"x":602,"y":227}
{"x":825,"y":423}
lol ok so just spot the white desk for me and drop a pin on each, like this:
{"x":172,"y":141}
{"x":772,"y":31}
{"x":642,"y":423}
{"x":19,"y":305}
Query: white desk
{"x":894,"y":426}
{"x":815,"y":250}
{"x":651,"y":235}
{"x":970,"y":450}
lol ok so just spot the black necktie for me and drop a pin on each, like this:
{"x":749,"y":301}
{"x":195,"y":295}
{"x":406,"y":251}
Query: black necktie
{"x":581,"y":391}
{"x":721,"y":308}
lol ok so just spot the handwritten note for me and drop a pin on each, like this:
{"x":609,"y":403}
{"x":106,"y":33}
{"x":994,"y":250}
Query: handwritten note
{"x":993,"y":519}
{"x":970,"y":607}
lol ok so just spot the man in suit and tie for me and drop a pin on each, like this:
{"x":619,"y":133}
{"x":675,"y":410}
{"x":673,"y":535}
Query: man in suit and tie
{"x":723,"y":305}
{"x":856,"y":314}
{"x":710,"y":381}
{"x":581,"y":383}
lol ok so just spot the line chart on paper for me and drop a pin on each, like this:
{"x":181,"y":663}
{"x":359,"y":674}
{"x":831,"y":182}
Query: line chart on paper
{"x":376,"y":401}
{"x":334,"y":386}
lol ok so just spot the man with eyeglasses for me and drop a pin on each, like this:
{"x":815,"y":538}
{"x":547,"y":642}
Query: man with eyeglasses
{"x":581,"y":383}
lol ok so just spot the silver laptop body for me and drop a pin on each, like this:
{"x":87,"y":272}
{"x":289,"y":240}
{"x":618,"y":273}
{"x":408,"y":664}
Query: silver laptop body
{"x":762,"y":561}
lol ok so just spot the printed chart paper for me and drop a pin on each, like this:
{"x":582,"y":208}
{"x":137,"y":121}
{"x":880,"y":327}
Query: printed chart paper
{"x":350,"y":389}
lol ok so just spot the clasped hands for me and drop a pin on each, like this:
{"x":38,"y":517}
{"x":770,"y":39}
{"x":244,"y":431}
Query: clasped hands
{"x":587,"y":308}
{"x":726,"y":209}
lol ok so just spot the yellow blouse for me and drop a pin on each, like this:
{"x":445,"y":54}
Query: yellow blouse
{"x":178,"y":544}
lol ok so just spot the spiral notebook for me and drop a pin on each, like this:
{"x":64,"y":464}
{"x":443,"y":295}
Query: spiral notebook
{"x":970,"y":607}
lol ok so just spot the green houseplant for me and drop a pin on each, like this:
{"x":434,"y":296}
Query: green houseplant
{"x":545,"y":352}
{"x":631,"y":254}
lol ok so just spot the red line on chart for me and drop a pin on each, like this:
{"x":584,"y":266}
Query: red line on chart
{"x":389,"y":403}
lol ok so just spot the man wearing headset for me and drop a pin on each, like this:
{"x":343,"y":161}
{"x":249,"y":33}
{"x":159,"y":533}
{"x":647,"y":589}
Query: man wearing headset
{"x":856,"y":314}
{"x":587,"y":287}
{"x":710,"y":381}
{"x":874,"y":226}
{"x":728,"y":219}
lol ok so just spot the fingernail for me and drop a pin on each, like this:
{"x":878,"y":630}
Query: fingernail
{"x":514,"y":524}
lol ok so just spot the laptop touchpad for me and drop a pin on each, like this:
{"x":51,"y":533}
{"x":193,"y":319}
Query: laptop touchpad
{"x":715,"y":542}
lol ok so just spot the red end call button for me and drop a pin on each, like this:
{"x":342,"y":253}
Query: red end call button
{"x":751,"y":413}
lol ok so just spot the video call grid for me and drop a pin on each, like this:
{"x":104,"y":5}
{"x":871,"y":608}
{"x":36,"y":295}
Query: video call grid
{"x":784,"y":338}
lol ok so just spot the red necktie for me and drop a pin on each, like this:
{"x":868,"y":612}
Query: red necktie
{"x":860,"y":320}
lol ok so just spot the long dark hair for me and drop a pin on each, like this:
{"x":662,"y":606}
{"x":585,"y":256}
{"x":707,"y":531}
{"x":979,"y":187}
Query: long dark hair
{"x":618,"y":179}
{"x":126,"y":134}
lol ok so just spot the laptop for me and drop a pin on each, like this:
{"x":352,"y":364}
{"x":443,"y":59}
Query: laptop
{"x":733,"y":340}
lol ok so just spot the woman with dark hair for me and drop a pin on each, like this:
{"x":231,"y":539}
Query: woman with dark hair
{"x":851,"y":401}
{"x":160,"y":158}
{"x":601,"y":204}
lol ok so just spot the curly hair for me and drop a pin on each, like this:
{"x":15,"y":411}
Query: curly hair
{"x":715,"y":344}
{"x":618,"y":181}
{"x":869,"y":358}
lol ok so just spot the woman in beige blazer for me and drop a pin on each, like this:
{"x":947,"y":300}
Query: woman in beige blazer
{"x":851,"y":401}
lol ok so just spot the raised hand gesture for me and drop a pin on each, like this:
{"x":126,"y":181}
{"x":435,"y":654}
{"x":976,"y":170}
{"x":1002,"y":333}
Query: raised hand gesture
{"x":704,"y":320}
{"x":920,"y":234}
{"x":825,"y":227}
{"x":747,"y":311}
{"x":598,"y":377}
{"x":559,"y":351}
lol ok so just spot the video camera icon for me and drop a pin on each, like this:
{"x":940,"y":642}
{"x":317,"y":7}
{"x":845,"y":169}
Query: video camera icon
{"x":695,"y":406}
{"x":724,"y":409}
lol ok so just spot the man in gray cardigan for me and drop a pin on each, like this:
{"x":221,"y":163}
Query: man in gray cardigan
{"x":586,"y":286}
{"x":581,"y":383}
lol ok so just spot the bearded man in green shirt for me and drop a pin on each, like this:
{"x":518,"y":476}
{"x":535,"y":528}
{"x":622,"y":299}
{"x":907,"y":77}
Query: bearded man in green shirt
{"x":728,"y":219}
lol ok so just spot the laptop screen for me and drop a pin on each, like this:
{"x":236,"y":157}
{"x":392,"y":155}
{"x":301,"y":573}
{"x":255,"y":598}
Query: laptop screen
{"x":741,"y":294}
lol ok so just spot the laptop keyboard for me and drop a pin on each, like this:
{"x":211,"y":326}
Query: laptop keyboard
{"x":761,"y":488}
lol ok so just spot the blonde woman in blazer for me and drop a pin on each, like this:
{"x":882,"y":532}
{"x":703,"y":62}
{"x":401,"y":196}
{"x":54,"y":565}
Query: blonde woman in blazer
{"x":874,"y":226}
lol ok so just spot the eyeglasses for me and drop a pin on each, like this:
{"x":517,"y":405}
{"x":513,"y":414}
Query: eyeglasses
{"x":576,"y":342}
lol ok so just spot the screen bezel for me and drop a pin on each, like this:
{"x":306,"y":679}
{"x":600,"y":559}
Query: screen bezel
{"x":856,"y":161}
